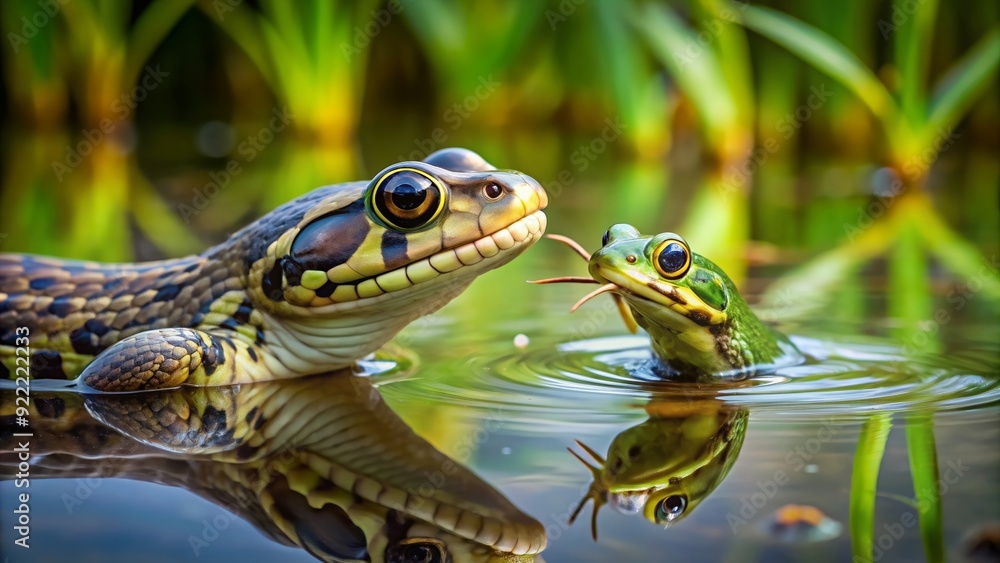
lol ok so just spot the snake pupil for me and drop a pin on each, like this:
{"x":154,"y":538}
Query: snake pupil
{"x":421,"y":554}
{"x":407,"y":199}
{"x":407,"y":196}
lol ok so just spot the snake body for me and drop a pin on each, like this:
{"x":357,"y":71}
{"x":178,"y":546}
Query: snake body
{"x":310,"y":287}
{"x":320,"y":462}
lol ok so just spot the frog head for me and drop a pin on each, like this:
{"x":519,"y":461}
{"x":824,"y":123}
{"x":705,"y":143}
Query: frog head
{"x":666,"y":466}
{"x":698,"y":323}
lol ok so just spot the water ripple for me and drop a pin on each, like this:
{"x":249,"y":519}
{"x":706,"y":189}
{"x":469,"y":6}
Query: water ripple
{"x":601,"y":375}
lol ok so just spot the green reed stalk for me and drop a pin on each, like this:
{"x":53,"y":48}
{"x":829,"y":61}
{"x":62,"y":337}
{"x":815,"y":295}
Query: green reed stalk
{"x":864,"y":484}
{"x":922,"y":450}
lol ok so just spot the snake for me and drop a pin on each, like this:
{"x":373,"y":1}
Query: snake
{"x":700,"y":327}
{"x":320,"y":462}
{"x":310,"y":287}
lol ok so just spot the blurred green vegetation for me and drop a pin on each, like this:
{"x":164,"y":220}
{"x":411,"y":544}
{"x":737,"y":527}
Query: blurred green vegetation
{"x":860,"y":134}
{"x":854,"y":139}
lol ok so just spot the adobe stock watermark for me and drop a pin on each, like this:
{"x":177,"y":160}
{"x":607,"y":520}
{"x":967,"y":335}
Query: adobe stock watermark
{"x":785,"y":128}
{"x":901,"y":13}
{"x":123,"y":106}
{"x":380,"y":19}
{"x":454,"y":116}
{"x":452,"y":287}
{"x":918,"y":165}
{"x":796,"y":459}
{"x":914,"y":167}
{"x":223,"y":7}
{"x":563,"y":11}
{"x":86,"y":486}
{"x":248,"y":149}
{"x":711,"y":29}
{"x":243,"y":499}
{"x":585,"y":155}
{"x":31,"y":25}
{"x":436,"y":480}
{"x":957,"y":299}
{"x":893,"y":532}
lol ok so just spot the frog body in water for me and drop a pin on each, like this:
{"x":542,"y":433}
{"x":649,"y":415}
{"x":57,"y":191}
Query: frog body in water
{"x":699,"y":325}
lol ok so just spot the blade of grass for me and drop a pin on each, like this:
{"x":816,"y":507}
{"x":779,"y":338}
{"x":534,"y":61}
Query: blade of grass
{"x":520,"y":20}
{"x":807,"y":288}
{"x":702,"y":81}
{"x":241,"y":26}
{"x":289,"y":27}
{"x":732,"y":54}
{"x":440,"y":28}
{"x":864,"y":484}
{"x":621,"y":63}
{"x":914,"y":38}
{"x":157,"y":221}
{"x":149,"y":31}
{"x":909,"y":289}
{"x":828,"y":56}
{"x":959,"y":87}
{"x":959,"y":255}
{"x":922,"y":450}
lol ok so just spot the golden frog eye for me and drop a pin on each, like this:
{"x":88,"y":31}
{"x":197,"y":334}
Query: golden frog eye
{"x":407,"y":199}
{"x":672,"y":258}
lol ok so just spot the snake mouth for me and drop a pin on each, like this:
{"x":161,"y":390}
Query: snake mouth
{"x":485,"y":253}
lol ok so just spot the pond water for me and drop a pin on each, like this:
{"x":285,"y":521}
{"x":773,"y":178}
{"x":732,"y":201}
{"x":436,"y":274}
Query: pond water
{"x":508,"y":413}
{"x":851,"y":434}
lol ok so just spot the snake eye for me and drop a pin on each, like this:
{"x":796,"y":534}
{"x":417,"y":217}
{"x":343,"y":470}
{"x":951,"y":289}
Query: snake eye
{"x":606,"y":237}
{"x":415,"y":553}
{"x":671,"y":508}
{"x":407,"y":199}
{"x":492,"y":191}
{"x":672,"y":258}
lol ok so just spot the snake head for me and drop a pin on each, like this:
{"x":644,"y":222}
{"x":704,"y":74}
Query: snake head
{"x":417,"y":230}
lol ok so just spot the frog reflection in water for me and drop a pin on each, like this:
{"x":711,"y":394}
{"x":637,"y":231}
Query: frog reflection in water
{"x":699,"y":325}
{"x":664,"y":467}
{"x":320,"y":462}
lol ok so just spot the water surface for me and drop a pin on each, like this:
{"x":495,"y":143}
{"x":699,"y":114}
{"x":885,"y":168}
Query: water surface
{"x":509,"y":413}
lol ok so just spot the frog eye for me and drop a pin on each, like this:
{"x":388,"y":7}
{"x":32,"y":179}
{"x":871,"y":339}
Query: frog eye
{"x":671,"y":508}
{"x":422,"y":552}
{"x":672,"y":258}
{"x":407,"y":199}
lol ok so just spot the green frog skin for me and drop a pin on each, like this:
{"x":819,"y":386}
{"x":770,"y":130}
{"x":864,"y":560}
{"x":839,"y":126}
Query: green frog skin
{"x":699,"y":325}
{"x":664,"y":467}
